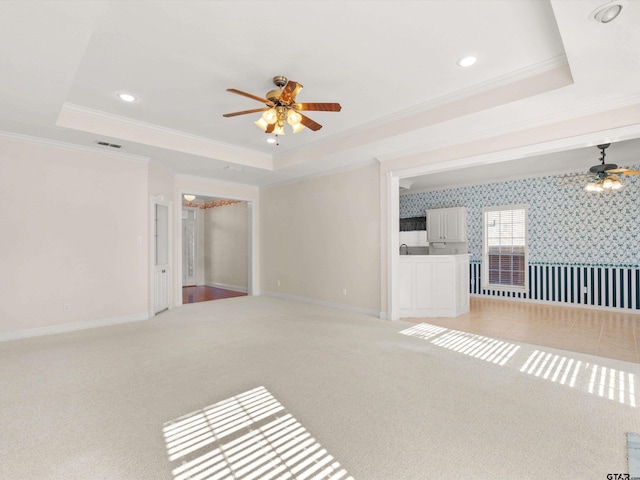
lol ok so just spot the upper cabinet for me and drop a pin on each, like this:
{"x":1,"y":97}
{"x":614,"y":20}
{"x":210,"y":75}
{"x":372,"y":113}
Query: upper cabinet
{"x":447,"y":225}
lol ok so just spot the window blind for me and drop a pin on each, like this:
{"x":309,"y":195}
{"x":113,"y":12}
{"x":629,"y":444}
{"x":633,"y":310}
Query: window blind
{"x":505,"y":247}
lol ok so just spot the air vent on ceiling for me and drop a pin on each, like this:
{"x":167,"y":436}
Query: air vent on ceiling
{"x":107,"y":144}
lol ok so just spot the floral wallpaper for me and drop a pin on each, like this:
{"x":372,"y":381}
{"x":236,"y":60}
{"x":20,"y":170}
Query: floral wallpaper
{"x":567,"y":225}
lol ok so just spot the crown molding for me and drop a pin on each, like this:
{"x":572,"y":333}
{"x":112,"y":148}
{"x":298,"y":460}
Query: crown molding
{"x":477,"y":89}
{"x":129,"y":122}
{"x":214,"y":180}
{"x":585,"y":140}
{"x":45,"y":142}
{"x":513,"y":127}
{"x":480,"y":88}
{"x":86,"y":119}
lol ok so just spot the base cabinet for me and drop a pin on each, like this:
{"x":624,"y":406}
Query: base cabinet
{"x":433,"y":285}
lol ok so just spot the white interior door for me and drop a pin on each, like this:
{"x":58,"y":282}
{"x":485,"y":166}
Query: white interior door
{"x":189,"y":248}
{"x":161,"y":271}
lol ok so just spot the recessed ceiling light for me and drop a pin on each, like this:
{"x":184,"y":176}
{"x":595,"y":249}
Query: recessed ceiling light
{"x":126,"y":97}
{"x":270,"y":140}
{"x":467,"y":61}
{"x":608,"y":12}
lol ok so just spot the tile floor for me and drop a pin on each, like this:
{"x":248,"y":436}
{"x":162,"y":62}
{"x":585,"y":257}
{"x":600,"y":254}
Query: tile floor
{"x":597,"y":332}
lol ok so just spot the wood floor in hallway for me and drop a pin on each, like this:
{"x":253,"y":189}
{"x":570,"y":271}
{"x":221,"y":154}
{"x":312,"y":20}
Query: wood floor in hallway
{"x":203,"y":293}
{"x":607,"y":334}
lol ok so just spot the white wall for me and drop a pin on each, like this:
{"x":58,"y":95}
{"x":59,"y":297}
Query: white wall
{"x":76,"y":226}
{"x":75,"y":230}
{"x":225,"y":240}
{"x":161,"y":182}
{"x":161,"y":186}
{"x":322,"y":235}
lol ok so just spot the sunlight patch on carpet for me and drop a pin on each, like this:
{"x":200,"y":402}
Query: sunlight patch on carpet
{"x":248,"y":436}
{"x":484,"y":348}
{"x":424,"y":331}
{"x":604,"y":382}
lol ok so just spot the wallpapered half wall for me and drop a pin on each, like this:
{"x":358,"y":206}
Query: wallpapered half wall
{"x":583,"y":247}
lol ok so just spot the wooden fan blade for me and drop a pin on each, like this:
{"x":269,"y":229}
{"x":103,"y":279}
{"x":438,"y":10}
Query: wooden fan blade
{"x":289,"y":92}
{"x":624,"y":171}
{"x":310,"y":124}
{"x":320,"y":107}
{"x":270,"y":128}
{"x":244,"y":112}
{"x":249,"y":95}
{"x":573,"y":182}
{"x":573,"y":175}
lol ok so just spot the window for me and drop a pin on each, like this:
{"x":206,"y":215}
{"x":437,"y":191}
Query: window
{"x":504,"y":254}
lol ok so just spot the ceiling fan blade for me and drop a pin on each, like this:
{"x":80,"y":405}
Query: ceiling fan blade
{"x":624,"y":171}
{"x":310,"y":124}
{"x":249,"y":95}
{"x":573,"y":175}
{"x":289,"y":92}
{"x":244,"y":112}
{"x":320,"y":107}
{"x":270,"y":128}
{"x":573,"y":182}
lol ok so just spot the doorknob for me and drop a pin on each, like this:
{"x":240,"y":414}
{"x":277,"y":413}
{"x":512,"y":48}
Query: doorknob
{"x":163,"y":270}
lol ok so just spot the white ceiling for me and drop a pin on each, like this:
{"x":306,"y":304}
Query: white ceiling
{"x":391,"y":65}
{"x":624,"y":154}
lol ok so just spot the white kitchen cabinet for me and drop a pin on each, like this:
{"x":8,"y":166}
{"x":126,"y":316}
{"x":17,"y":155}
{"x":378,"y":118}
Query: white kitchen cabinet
{"x":433,"y":285}
{"x":414,"y":238}
{"x":447,"y":224}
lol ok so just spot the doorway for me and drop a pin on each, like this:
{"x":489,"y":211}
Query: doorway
{"x":525,"y":153}
{"x":216,"y":247}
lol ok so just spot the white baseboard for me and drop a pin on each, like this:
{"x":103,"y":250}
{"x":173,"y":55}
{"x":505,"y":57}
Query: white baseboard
{"x":71,"y":327}
{"x":340,"y":306}
{"x":233,"y":288}
{"x":560,"y":304}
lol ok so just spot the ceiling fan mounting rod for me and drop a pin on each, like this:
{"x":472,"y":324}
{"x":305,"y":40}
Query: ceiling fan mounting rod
{"x":602,"y":148}
{"x":280,"y":81}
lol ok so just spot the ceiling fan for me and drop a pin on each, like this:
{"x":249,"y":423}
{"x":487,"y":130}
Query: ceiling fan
{"x":603,"y":176}
{"x":281,"y":108}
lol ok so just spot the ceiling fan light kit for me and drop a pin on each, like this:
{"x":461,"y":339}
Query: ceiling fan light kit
{"x":281,"y":108}
{"x":611,"y":182}
{"x":605,"y":174}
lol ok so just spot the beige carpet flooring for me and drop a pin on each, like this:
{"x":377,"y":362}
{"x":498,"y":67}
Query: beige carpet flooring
{"x":258,"y":387}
